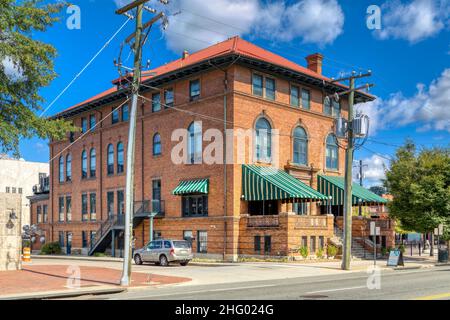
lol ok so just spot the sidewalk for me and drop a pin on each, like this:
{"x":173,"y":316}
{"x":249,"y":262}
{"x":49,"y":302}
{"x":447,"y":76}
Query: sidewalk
{"x":49,"y":281}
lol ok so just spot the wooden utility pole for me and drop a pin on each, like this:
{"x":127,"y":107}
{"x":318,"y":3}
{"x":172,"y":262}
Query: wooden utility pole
{"x":129,"y":193}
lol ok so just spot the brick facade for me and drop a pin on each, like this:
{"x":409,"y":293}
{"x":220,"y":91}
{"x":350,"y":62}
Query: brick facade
{"x":243,"y":108}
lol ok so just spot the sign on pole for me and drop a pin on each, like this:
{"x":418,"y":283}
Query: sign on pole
{"x":372,"y":228}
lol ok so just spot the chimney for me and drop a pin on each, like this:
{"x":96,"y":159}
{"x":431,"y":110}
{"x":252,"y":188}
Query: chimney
{"x":315,"y":62}
{"x":185,"y":54}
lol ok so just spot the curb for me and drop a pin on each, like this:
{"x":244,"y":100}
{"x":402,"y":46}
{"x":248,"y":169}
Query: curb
{"x":62,"y":294}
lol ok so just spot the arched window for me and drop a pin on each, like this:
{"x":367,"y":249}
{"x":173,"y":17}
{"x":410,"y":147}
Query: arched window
{"x":92,"y":163}
{"x":195,"y":143}
{"x":69,"y":167}
{"x":263,"y":140}
{"x":84,"y":165}
{"x":332,"y":153}
{"x":110,"y":160}
{"x":120,"y":158}
{"x":61,"y":169}
{"x":157,"y":144}
{"x":300,"y":146}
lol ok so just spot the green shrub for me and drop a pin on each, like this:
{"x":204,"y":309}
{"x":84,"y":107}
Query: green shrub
{"x":51,"y":248}
{"x":383,"y":251}
{"x":320,"y":253}
{"x":402,"y":248}
{"x":26,"y":244}
{"x":304,"y":252}
{"x":332,"y":251}
{"x":99,"y":255}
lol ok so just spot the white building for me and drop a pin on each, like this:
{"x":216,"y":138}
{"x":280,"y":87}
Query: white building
{"x":19,"y":177}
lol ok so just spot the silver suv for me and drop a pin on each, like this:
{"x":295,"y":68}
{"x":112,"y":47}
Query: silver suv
{"x":163,"y":252}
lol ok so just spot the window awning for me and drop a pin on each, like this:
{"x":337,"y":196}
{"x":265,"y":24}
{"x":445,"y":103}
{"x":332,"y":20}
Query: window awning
{"x":269,"y":183}
{"x":334,"y":187}
{"x":192,"y":187}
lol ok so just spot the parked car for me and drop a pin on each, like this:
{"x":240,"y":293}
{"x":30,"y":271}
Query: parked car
{"x":163,"y":252}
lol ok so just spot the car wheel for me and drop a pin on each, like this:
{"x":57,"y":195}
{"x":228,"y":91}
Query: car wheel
{"x":184,"y":264}
{"x":138,"y":260}
{"x":163,"y":262}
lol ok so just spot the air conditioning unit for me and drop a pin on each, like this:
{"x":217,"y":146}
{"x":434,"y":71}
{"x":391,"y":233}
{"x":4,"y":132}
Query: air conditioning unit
{"x":361,"y":126}
{"x":341,"y":127}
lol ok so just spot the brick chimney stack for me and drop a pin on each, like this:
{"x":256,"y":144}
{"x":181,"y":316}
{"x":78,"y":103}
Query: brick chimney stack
{"x":315,"y":62}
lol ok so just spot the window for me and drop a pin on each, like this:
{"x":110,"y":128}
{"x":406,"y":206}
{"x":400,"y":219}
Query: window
{"x":156,"y":102}
{"x":84,"y":165}
{"x":115,"y":116}
{"x":61,"y":169}
{"x":263,"y":140}
{"x":312,"y":245}
{"x":61,"y":239}
{"x":84,"y":125}
{"x":300,"y":146}
{"x":195,"y":205}
{"x":125,"y":113}
{"x":157,"y":235}
{"x":270,"y":88}
{"x":194,"y":89}
{"x":168,"y":98}
{"x":332,"y":153}
{"x":84,"y":241}
{"x":69,"y":168}
{"x":120,"y":203}
{"x":306,"y":99}
{"x":188,"y":236}
{"x":71,"y":137}
{"x":195,"y":143}
{"x":110,"y":160}
{"x":332,"y":108}
{"x":202,"y":241}
{"x":8,"y":189}
{"x":69,"y":208}
{"x":258,"y":244}
{"x":167,"y":245}
{"x":156,"y":195}
{"x":300,"y":208}
{"x":84,"y":207}
{"x":92,"y":122}
{"x":336,"y":109}
{"x":327,"y":107}
{"x":110,"y":204}
{"x":93,"y":206}
{"x":61,"y":209}
{"x":295,"y":96}
{"x":92,"y":238}
{"x":93,"y":163}
{"x":120,"y":158}
{"x":45,"y":213}
{"x":304,"y":242}
{"x":39,"y":214}
{"x":257,"y":83}
{"x":267,"y":244}
{"x":321,"y":242}
{"x":157,"y":144}
{"x":13,"y":190}
{"x":20,"y":190}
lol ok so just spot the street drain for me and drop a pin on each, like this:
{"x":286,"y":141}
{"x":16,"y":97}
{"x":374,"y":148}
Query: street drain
{"x":314,"y":296}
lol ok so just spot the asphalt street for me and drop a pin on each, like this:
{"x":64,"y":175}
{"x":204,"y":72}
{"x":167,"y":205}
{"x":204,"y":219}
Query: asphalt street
{"x":427,"y":284}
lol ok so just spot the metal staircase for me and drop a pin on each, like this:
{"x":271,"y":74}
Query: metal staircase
{"x":358,"y":251}
{"x":142,"y":210}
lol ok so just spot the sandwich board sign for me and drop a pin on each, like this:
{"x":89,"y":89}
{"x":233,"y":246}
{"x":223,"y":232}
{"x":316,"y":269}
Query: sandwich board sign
{"x":395,"y":258}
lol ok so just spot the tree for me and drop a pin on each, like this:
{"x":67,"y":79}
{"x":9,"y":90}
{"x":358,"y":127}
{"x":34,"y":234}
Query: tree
{"x":420,"y":185}
{"x":26,"y":65}
{"x":378,"y":190}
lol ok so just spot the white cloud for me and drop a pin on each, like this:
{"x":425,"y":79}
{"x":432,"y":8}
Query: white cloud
{"x":202,"y":23}
{"x":428,"y":109}
{"x":413,"y":21}
{"x":375,"y":171}
{"x":11,"y":69}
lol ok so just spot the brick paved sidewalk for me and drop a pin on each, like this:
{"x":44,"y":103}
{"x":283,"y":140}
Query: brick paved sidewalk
{"x":43,"y":278}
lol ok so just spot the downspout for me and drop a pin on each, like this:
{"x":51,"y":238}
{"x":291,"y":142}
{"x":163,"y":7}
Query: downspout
{"x":142,"y":170}
{"x":100,"y":170}
{"x":52,"y":176}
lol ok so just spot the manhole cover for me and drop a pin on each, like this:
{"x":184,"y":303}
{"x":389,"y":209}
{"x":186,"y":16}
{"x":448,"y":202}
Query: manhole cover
{"x":314,"y":296}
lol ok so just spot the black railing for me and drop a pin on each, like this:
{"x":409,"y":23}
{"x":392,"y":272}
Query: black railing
{"x":41,"y":188}
{"x":106,"y":226}
{"x":148,"y":207}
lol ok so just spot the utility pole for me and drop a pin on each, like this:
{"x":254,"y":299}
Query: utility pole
{"x":346,"y":255}
{"x":361,"y":167}
{"x":129,"y":201}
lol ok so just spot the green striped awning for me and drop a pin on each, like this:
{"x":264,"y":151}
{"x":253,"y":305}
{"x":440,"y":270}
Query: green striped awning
{"x":334,"y":187}
{"x":269,"y":183}
{"x":191,"y":187}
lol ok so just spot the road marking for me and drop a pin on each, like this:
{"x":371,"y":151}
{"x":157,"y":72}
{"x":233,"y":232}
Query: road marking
{"x":434,"y":297}
{"x":339,"y":289}
{"x":202,"y":291}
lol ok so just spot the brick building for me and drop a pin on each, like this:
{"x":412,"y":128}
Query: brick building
{"x":225,"y":210}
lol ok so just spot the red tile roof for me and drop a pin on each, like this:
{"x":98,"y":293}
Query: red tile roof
{"x":234,"y":45}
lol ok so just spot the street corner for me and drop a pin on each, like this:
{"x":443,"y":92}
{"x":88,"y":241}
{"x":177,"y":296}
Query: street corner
{"x":36,"y":281}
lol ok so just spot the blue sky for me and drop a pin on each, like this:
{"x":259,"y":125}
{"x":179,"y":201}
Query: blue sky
{"x":409,"y":56}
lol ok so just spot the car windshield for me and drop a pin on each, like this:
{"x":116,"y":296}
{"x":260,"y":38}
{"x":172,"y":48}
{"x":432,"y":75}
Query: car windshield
{"x":181,"y":244}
